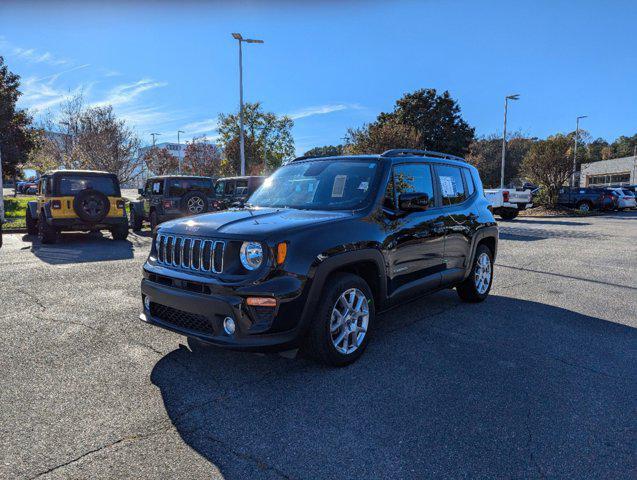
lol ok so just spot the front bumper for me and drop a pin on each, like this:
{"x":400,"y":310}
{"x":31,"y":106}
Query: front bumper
{"x":201,"y":314}
{"x":78,"y":224}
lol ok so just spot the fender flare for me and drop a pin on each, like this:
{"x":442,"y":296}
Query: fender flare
{"x":485,"y":232}
{"x":331,"y":264}
{"x":33,"y":209}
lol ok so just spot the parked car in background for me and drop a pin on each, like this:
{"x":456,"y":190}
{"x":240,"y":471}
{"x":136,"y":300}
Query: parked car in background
{"x":624,"y":198}
{"x":509,"y":202}
{"x":320,"y":248}
{"x":583,"y":199}
{"x":30,"y":189}
{"x":234,"y":191}
{"x":171,"y":196}
{"x":77,"y":200}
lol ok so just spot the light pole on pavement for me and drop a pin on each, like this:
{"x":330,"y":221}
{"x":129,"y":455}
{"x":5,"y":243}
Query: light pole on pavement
{"x":575,"y":149}
{"x":504,"y":135}
{"x":240,"y":39}
{"x":179,"y":150}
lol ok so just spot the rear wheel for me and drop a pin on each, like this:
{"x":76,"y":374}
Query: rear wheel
{"x":340,"y":331}
{"x":508,"y":214}
{"x":46,"y":233}
{"x":32,"y":223}
{"x":584,"y":207}
{"x":477,"y":285}
{"x":120,"y":232}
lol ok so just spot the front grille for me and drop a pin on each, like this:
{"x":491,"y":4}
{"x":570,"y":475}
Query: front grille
{"x":181,"y":319}
{"x":190,"y":253}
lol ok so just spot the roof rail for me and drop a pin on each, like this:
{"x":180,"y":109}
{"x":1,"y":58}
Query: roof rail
{"x":304,"y":157}
{"x":397,"y":152}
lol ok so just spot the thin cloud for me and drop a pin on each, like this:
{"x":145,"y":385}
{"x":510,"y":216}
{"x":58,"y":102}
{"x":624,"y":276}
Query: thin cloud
{"x":52,"y":78}
{"x":317,"y":110}
{"x":202,"y":126}
{"x":126,"y":93}
{"x":38,"y":96}
{"x":33,"y":56}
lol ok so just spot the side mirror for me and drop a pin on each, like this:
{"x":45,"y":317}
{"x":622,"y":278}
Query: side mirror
{"x":140,"y":191}
{"x":414,"y":201}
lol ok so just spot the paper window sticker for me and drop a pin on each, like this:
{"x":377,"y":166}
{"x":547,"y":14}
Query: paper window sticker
{"x":448,"y":186}
{"x":339,"y":186}
{"x":363,"y":186}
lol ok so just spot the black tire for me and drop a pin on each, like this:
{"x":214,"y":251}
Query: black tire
{"x":135,"y":221}
{"x":318,"y":342}
{"x":91,"y":206}
{"x":467,"y":290}
{"x":46,"y":233}
{"x":32,"y":223}
{"x":153,"y":220}
{"x":194,"y":203}
{"x":120,"y":232}
{"x":584,"y":207}
{"x":508,"y":214}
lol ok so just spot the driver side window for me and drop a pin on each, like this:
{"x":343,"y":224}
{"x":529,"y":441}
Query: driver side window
{"x":410,"y":178}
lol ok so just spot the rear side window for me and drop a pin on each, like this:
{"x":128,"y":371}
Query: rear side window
{"x":468,"y":179}
{"x":178,"y":187}
{"x":451,"y":186}
{"x":410,"y":178}
{"x":157,"y":187}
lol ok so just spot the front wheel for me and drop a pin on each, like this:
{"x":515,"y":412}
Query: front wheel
{"x":584,"y":207}
{"x":477,"y":285}
{"x":32,"y":223}
{"x":153,"y":220}
{"x":135,"y":221}
{"x":340,"y":331}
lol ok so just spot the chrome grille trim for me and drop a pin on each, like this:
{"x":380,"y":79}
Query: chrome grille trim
{"x":172,"y":251}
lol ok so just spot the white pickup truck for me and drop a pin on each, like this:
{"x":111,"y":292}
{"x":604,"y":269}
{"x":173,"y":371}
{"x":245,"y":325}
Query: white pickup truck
{"x":508,"y":202}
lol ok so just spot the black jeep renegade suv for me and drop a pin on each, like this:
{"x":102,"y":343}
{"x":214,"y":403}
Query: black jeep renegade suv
{"x":320,"y":248}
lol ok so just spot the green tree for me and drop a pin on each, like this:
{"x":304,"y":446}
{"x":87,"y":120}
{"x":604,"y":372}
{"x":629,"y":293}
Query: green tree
{"x":623,"y":146}
{"x":597,"y":150}
{"x":378,"y":137}
{"x":549,"y":163}
{"x":16,"y":138}
{"x":267,"y":138}
{"x":436,"y":119}
{"x":326,"y":151}
{"x":486,"y":155}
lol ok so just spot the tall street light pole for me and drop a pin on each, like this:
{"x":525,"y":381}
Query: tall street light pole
{"x":179,"y":150}
{"x":240,"y":39}
{"x":504,"y":135}
{"x":575,"y":149}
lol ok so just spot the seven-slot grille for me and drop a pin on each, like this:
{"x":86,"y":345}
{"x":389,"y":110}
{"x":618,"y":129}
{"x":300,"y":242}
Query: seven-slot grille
{"x":190,"y":253}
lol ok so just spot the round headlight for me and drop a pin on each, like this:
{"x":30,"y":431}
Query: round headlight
{"x":251,"y":255}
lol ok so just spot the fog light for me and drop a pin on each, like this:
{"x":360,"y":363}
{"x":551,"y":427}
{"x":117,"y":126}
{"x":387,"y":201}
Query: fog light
{"x":147,"y":303}
{"x":228,"y":325}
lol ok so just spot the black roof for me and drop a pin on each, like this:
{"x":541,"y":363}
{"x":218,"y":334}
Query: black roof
{"x":395,"y":154}
{"x":178,"y":176}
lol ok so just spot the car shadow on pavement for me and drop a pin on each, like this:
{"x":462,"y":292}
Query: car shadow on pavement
{"x":555,"y":221}
{"x":507,"y":388}
{"x":83,"y":247}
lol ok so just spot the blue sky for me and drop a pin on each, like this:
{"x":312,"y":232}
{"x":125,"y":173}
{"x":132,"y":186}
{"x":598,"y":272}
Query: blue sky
{"x":330,"y":65}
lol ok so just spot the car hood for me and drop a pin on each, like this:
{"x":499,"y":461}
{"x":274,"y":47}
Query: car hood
{"x":254,"y":222}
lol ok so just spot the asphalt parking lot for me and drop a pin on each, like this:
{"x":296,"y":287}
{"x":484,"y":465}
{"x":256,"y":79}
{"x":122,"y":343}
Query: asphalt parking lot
{"x":539,"y":381}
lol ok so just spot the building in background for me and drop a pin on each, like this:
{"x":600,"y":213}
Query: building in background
{"x":175,"y":149}
{"x":616,"y":171}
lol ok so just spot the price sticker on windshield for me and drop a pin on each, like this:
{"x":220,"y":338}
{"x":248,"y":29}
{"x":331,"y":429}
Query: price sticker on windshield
{"x":339,"y":186}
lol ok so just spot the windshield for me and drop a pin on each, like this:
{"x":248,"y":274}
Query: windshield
{"x":73,"y":184}
{"x":319,"y":185}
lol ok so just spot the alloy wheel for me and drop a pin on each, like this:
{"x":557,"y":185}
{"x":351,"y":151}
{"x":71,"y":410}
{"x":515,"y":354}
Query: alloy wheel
{"x":482,"y":276}
{"x":349,"y":321}
{"x":195,"y":205}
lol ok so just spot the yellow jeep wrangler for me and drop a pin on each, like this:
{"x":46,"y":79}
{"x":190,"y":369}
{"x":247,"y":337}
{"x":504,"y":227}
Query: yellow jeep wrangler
{"x":72,"y":200}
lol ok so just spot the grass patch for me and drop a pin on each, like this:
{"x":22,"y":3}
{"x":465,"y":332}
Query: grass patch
{"x":15,"y":209}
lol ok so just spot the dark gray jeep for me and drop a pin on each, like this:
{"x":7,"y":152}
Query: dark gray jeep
{"x":168,"y":197}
